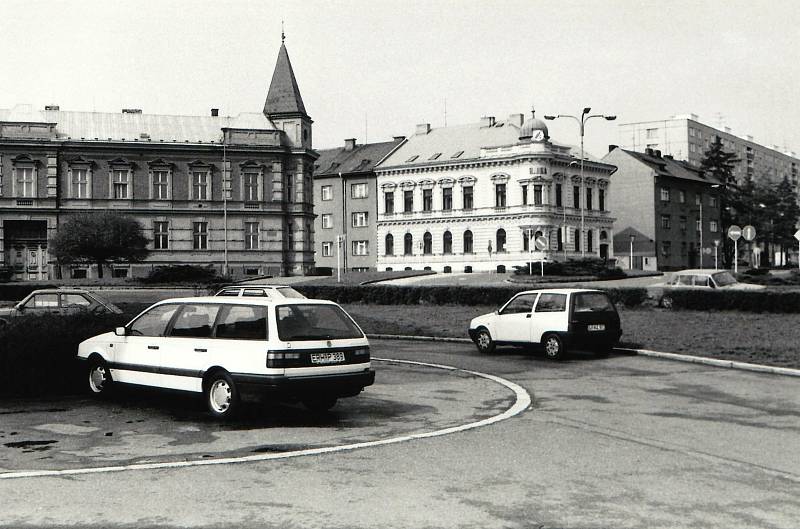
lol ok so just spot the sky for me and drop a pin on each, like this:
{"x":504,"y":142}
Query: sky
{"x":371,"y":70}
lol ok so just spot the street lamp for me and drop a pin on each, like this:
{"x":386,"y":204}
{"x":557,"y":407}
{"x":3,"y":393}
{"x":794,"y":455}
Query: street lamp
{"x":584,"y":117}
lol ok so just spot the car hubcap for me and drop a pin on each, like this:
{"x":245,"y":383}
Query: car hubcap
{"x":97,"y":379}
{"x":483,"y":340}
{"x":552,"y":347}
{"x":220,"y":396}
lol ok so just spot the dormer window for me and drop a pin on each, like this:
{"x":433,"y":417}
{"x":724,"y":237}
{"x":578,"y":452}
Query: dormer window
{"x":412,"y":158}
{"x":435,"y":156}
{"x":458,"y":154}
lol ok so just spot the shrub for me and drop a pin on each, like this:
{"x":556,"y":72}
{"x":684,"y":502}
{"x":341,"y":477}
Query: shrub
{"x":742,"y":300}
{"x":184,"y":274}
{"x":573,"y":267}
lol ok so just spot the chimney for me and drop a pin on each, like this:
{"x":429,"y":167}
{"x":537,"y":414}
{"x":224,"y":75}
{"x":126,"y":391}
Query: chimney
{"x":52,"y":107}
{"x":398,"y":138}
{"x":516,"y":119}
{"x":657,"y":153}
{"x":214,"y":112}
{"x":648,"y":151}
{"x":487,"y":121}
{"x":668,"y":157}
{"x":423,"y":128}
{"x":349,"y":144}
{"x":612,"y":147}
{"x":131,"y":110}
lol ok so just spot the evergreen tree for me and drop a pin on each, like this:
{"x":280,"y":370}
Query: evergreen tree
{"x":719,"y":165}
{"x":787,"y":215}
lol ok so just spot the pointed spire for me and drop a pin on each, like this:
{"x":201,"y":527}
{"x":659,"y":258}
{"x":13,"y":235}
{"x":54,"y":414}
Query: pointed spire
{"x":283,"y":96}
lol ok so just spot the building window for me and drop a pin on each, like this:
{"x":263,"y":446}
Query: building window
{"x":120,"y":183}
{"x":697,"y":225}
{"x":360,"y":248}
{"x":251,"y":235}
{"x":576,"y":197}
{"x":590,"y":241}
{"x":559,"y":194}
{"x":447,"y":199}
{"x":712,"y":201}
{"x":537,"y":195}
{"x":427,"y":243}
{"x":524,"y":194}
{"x":560,"y":239}
{"x":359,"y":219}
{"x":200,"y":235}
{"x":327,"y":192}
{"x":388,"y":247}
{"x":683,"y":248}
{"x":289,"y":188}
{"x":327,"y":249}
{"x":682,"y":223}
{"x":577,"y":240}
{"x":25,"y":182}
{"x":665,"y":194}
{"x":666,"y":248}
{"x":652,"y":133}
{"x":468,"y":242}
{"x":161,"y":235}
{"x":601,"y":199}
{"x":447,"y":243}
{"x":500,"y":239}
{"x":250,"y":187}
{"x":327,"y":221}
{"x":388,"y":201}
{"x":500,"y":195}
{"x":358,"y":190}
{"x":201,"y":184}
{"x":713,"y":226}
{"x":427,"y":199}
{"x":467,"y":197}
{"x":698,"y":199}
{"x":588,"y":199}
{"x":160,"y":185}
{"x":408,"y":244}
{"x":80,"y":183}
{"x":682,"y":196}
{"x":666,"y":222}
{"x":408,"y":201}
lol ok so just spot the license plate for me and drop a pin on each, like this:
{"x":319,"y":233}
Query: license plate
{"x":327,"y":358}
{"x":597,"y":327}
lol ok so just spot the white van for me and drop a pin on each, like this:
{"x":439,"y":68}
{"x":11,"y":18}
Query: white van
{"x":300,"y":349}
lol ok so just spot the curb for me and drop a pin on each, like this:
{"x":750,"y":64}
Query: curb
{"x":715,"y":362}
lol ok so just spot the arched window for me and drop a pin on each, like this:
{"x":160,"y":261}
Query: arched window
{"x":501,"y":240}
{"x":468,"y":242}
{"x":577,"y":240}
{"x":448,"y":269}
{"x":408,"y":244}
{"x":427,"y":243}
{"x":603,"y":235}
{"x":501,"y":269}
{"x":389,"y":246}
{"x":447,"y":243}
{"x":560,"y":239}
{"x":590,"y":241}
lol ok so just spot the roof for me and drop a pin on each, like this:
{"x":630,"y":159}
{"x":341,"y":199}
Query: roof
{"x":284,"y":95}
{"x":672,"y":168}
{"x":642,"y":244}
{"x":246,"y":300}
{"x":361,"y":159}
{"x":105,"y":126}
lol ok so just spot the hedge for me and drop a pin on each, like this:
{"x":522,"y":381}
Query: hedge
{"x":777,"y":301}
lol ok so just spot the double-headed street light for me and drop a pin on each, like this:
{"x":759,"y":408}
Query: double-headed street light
{"x":584,"y":117}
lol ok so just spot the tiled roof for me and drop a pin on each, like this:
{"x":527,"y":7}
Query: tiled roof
{"x":129,"y":127}
{"x":361,"y":159}
{"x":672,"y":168}
{"x":283,"y":95}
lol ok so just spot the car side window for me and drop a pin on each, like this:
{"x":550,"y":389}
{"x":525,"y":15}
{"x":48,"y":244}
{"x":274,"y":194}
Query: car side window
{"x":74,"y":300}
{"x":701,"y":281}
{"x":242,"y":322}
{"x":153,"y":322}
{"x":685,"y":280}
{"x":521,"y":304}
{"x":42,"y":301}
{"x":552,"y":303}
{"x":195,"y":321}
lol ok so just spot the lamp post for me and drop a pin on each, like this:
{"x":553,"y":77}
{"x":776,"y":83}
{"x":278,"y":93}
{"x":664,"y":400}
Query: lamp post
{"x":530,"y":253}
{"x":630,"y":264}
{"x":700,"y":251}
{"x":582,"y":123}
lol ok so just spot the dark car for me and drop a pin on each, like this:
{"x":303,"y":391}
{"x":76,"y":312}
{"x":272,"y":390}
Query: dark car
{"x":58,"y":301}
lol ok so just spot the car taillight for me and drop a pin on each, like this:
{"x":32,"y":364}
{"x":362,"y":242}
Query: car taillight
{"x":281,"y":359}
{"x":362,"y":354}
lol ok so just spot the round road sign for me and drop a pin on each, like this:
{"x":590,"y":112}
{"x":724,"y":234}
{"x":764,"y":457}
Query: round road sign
{"x":734,"y":232}
{"x":707,"y":251}
{"x":541,"y":243}
{"x":749,"y":233}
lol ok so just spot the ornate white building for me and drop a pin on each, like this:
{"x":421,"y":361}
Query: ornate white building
{"x":468,"y":198}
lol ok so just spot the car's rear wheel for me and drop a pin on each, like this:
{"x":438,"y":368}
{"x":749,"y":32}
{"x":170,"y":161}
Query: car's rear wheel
{"x":221,"y":395}
{"x":484,"y":342}
{"x":666,"y":302}
{"x":553,"y":347}
{"x":320,"y":403}
{"x":99,"y":378}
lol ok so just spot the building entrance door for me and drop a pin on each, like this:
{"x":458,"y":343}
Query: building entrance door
{"x":25,"y":243}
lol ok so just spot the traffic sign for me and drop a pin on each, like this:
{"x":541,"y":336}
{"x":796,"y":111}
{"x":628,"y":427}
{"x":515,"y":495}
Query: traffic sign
{"x":749,"y":233}
{"x":707,"y":251}
{"x":734,"y":232}
{"x":797,"y":235}
{"x":541,"y":243}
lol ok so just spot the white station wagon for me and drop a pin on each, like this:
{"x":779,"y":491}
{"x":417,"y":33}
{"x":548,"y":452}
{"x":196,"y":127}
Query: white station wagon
{"x":297,"y":349}
{"x":555,"y":319}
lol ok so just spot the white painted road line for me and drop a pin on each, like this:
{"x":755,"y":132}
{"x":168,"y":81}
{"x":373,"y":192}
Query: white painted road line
{"x":521,"y":403}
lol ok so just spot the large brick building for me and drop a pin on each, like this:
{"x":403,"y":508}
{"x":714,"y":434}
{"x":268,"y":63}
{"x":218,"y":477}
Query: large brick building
{"x":208,"y":190}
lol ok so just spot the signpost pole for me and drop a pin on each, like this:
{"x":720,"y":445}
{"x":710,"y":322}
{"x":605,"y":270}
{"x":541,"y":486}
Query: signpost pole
{"x":530,"y":253}
{"x":736,"y":256}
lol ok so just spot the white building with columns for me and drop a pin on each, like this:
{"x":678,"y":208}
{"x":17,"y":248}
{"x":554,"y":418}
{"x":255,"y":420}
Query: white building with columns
{"x":468,"y":198}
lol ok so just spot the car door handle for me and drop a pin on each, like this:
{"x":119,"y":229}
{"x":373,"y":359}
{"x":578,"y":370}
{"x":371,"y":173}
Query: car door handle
{"x":528,"y":316}
{"x":152,"y":347}
{"x":200,"y":350}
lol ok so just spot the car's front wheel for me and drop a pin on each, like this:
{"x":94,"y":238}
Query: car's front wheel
{"x":666,"y":302}
{"x":553,"y":347}
{"x":221,"y":395}
{"x":484,"y":342}
{"x":100,"y":381}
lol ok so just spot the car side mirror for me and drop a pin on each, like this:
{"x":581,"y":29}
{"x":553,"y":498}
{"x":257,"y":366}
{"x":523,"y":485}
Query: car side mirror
{"x":120,"y":331}
{"x":497,"y":311}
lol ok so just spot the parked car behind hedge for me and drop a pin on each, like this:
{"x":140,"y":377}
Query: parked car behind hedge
{"x":693,"y":279}
{"x":58,"y":301}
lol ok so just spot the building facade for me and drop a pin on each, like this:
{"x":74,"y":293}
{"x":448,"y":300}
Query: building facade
{"x":685,"y":138}
{"x":208,"y":190}
{"x":666,"y":211}
{"x":475,"y":197}
{"x":347,"y":205}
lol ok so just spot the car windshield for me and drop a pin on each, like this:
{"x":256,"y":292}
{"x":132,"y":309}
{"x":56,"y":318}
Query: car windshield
{"x":315,"y":322}
{"x":289,"y":292}
{"x":723,"y":279}
{"x":592,"y":302}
